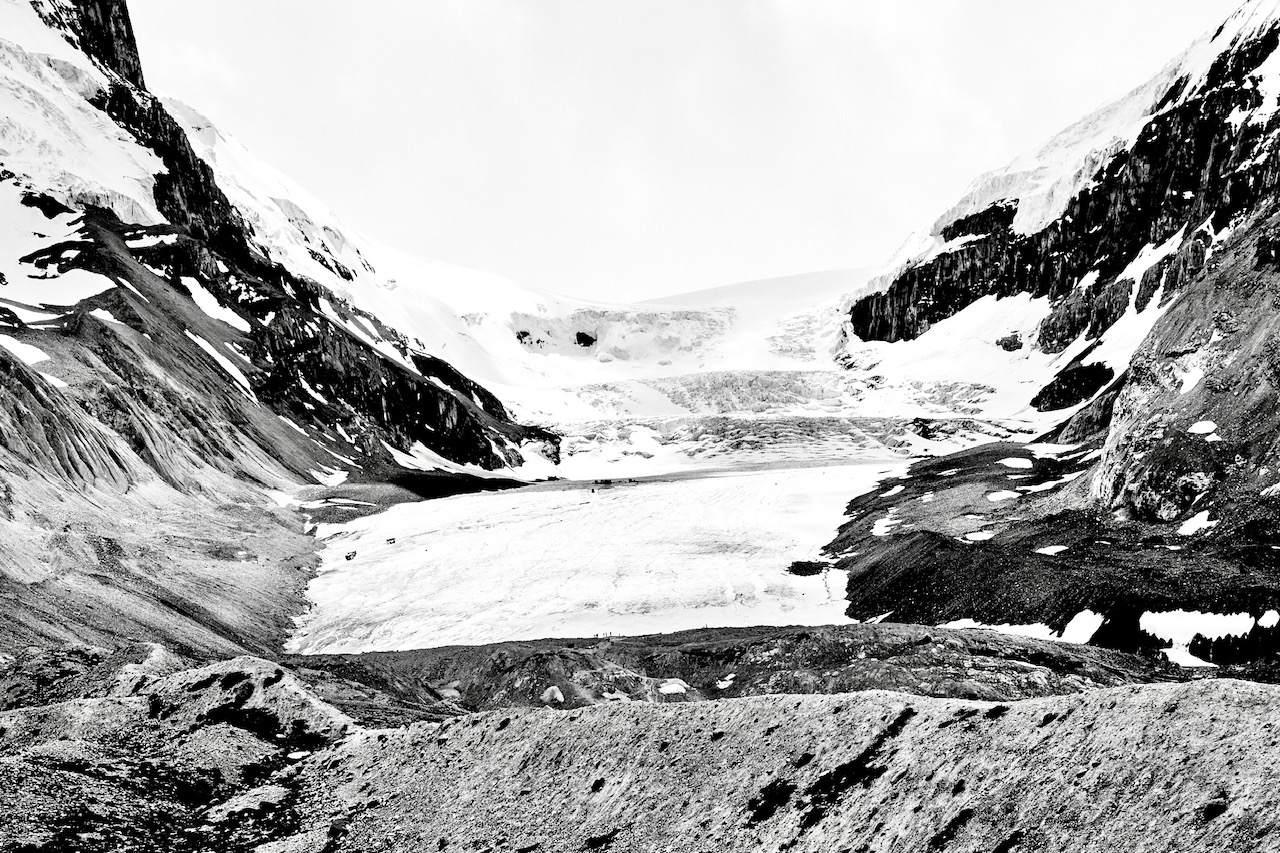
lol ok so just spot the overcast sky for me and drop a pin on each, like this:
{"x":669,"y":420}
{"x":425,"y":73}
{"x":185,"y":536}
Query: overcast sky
{"x":622,"y":150}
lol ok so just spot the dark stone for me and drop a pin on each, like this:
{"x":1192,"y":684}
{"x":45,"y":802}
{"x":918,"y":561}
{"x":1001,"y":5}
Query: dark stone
{"x":948,"y":833}
{"x":1074,"y":385}
{"x":1010,"y":842}
{"x":1010,"y":343}
{"x":1213,"y":810}
{"x":771,"y":798}
{"x":830,"y":787}
{"x":601,"y":842}
{"x":47,"y":205}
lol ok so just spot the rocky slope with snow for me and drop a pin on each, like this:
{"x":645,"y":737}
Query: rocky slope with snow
{"x":164,"y":368}
{"x":1142,"y":240}
{"x":188,"y":338}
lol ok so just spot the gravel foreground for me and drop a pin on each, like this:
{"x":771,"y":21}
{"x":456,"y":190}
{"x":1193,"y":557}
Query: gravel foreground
{"x":145,"y":751}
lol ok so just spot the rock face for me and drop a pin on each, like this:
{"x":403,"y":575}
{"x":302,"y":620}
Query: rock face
{"x":1177,"y":219}
{"x":106,"y":33}
{"x":103,"y":30}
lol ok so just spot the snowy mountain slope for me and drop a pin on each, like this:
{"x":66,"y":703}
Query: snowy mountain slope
{"x":1079,"y":222}
{"x":1042,"y":183}
{"x":618,"y":381}
{"x":1100,"y":226}
{"x":1143,"y":293}
{"x":209,"y":251}
{"x":160,"y":372}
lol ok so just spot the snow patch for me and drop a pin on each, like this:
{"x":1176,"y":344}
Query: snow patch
{"x":105,"y":316}
{"x":1196,"y":524}
{"x":884,"y":526}
{"x":208,"y":303}
{"x":225,"y":363}
{"x":1190,"y":378}
{"x":1181,"y":627}
{"x":53,"y":380}
{"x":330,"y":476}
{"x":25,"y":352}
{"x":1052,"y":550}
{"x":148,"y":240}
{"x":1079,"y":630}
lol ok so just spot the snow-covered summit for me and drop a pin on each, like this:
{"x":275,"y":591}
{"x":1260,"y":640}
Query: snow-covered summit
{"x":1042,"y":182}
{"x":1098,"y":227}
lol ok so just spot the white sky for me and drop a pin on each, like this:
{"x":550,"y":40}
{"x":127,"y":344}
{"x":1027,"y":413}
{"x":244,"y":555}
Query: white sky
{"x":623,"y":150}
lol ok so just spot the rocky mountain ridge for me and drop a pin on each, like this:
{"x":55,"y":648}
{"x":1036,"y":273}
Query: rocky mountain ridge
{"x":1151,"y":265}
{"x":157,"y":359}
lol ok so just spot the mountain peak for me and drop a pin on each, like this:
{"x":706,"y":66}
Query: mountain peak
{"x":1253,"y":17}
{"x":100,"y":28}
{"x":106,"y":33}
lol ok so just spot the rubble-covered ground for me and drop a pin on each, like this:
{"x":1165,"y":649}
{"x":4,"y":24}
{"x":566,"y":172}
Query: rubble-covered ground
{"x":140,"y":749}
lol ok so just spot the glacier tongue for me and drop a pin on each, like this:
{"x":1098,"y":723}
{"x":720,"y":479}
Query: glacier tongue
{"x":622,"y":558}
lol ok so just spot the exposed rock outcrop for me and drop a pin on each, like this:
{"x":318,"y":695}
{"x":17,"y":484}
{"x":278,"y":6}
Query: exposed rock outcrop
{"x":134,"y":750}
{"x":106,"y":34}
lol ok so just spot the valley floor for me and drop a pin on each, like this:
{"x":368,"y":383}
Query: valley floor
{"x":633,"y":556}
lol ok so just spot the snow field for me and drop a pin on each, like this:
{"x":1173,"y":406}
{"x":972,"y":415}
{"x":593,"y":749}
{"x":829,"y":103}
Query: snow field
{"x":1181,"y":627}
{"x":1079,"y":630}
